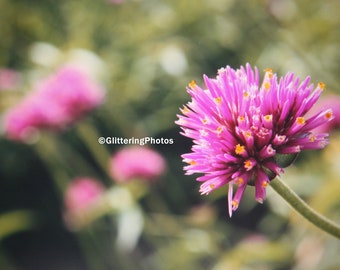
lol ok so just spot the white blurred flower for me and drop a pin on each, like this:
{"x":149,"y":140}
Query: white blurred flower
{"x":87,"y":61}
{"x":45,"y":54}
{"x":173,"y":60}
{"x":130,"y":227}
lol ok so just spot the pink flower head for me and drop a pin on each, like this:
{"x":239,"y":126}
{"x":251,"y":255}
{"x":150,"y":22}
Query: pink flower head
{"x":55,"y":103}
{"x":81,"y":193}
{"x":241,"y":129}
{"x":136,"y":162}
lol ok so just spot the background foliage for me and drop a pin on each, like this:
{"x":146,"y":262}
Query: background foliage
{"x":147,"y":51}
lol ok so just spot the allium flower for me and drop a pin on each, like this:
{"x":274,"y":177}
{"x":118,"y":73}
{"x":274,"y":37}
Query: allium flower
{"x":136,"y":162}
{"x":241,"y":128}
{"x":55,"y":103}
{"x":81,"y":193}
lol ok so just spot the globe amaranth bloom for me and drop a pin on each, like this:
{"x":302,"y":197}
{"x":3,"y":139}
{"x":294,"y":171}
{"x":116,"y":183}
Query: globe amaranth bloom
{"x":54,"y":103}
{"x":136,"y":162}
{"x":81,"y":193}
{"x":240,"y":128}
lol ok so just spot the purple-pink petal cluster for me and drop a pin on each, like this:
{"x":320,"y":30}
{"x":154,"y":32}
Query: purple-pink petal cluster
{"x":55,"y":103}
{"x":136,"y":162}
{"x":240,"y":126}
{"x":81,"y":193}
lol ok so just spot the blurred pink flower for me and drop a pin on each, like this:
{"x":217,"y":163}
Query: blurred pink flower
{"x":55,"y":103}
{"x":136,"y":162}
{"x":81,"y":193}
{"x":332,"y":102}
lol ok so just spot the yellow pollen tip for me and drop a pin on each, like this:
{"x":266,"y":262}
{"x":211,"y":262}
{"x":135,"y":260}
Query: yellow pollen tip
{"x":185,"y":110}
{"x":239,"y":149}
{"x":269,"y":72}
{"x":322,"y":85}
{"x":241,"y":118}
{"x":248,"y":164}
{"x":300,"y":120}
{"x":247,"y":134}
{"x":268,"y":117}
{"x":192,"y":84}
{"x":234,"y":203}
{"x":219,"y":129}
{"x":312,"y":138}
{"x":264,"y":184}
{"x":218,"y":100}
{"x":211,"y":186}
{"x":267,"y":85}
{"x":240,"y":181}
{"x":192,"y":162}
{"x":328,"y":115}
{"x":205,"y":121}
{"x":246,"y":94}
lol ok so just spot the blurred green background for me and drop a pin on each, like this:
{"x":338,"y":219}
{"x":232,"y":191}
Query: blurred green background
{"x":146,"y":53}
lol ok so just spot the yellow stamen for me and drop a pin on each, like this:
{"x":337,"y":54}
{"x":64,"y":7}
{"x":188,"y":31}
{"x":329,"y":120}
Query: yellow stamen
{"x":328,"y":115}
{"x":218,"y":100}
{"x":300,"y":120}
{"x":219,"y":129}
{"x":211,"y":186}
{"x":266,"y":85}
{"x":312,"y":138}
{"x":192,"y":162}
{"x":269,"y":72}
{"x":192,"y":84}
{"x":240,"y":181}
{"x":205,"y":121}
{"x":264,"y":184}
{"x":239,"y":149}
{"x":185,"y":110}
{"x":241,"y":118}
{"x":268,"y":117}
{"x":234,"y":203}
{"x":246,"y":95}
{"x":247,"y":164}
{"x":247,"y":134}
{"x":322,"y":85}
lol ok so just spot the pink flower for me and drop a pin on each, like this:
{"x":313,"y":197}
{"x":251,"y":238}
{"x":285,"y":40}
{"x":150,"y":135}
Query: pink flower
{"x":55,"y":103}
{"x":136,"y":162}
{"x":241,"y":129}
{"x":81,"y":193}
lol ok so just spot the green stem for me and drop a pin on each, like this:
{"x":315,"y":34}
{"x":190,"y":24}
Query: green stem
{"x":304,"y":209}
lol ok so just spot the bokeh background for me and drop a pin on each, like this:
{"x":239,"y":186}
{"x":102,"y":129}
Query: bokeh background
{"x":144,"y":53}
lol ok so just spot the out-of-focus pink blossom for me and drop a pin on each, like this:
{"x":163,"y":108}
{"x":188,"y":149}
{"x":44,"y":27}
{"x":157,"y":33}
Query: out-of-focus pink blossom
{"x":81,"y":193}
{"x":9,"y":79}
{"x":56,"y":102}
{"x":332,"y":102}
{"x":136,"y":162}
